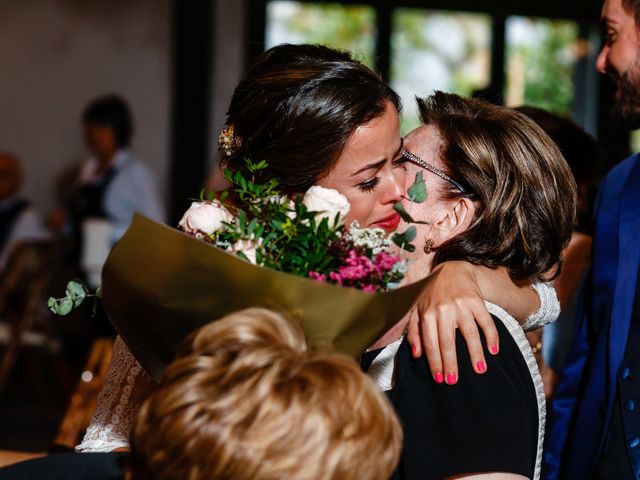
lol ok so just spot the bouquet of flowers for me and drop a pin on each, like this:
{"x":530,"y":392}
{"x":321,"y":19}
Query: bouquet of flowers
{"x":253,"y":247}
{"x":303,"y":236}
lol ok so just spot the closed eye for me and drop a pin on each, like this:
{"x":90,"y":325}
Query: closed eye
{"x":369,"y":185}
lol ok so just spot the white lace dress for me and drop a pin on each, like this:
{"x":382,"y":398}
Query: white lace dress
{"x":127,"y":385}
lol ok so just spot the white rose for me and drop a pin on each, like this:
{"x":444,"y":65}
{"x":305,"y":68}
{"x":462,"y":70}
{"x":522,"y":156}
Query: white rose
{"x":247,"y":247}
{"x":205,"y":218}
{"x":327,"y":202}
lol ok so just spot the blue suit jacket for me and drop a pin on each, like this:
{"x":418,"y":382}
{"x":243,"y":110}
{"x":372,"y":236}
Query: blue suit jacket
{"x":582,"y":404}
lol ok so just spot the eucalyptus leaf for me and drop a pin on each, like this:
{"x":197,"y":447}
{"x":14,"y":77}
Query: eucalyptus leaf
{"x":405,"y":238}
{"x":398,"y":207}
{"x":64,"y":307}
{"x":77,"y":302}
{"x":410,"y":234}
{"x":398,"y":239}
{"x":76,"y":291}
{"x":418,"y":191}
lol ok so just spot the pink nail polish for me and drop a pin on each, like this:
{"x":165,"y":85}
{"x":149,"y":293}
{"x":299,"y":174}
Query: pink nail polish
{"x":414,"y":350}
{"x":494,"y":349}
{"x":438,"y":377}
{"x":481,"y":367}
{"x":451,"y":379}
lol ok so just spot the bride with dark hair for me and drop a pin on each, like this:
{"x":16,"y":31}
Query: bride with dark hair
{"x":318,"y":117}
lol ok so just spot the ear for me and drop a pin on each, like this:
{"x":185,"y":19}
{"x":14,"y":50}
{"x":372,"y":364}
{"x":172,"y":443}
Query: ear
{"x":455,"y":221}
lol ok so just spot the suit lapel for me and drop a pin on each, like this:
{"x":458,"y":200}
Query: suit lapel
{"x":628,"y":262}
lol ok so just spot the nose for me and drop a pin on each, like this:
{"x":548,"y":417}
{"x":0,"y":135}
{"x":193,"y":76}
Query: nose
{"x":601,"y":61}
{"x":395,"y":186}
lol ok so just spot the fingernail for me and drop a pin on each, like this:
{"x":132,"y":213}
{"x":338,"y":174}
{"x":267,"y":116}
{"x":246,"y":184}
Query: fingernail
{"x":414,"y":350}
{"x":451,"y":379}
{"x":438,"y":377}
{"x":481,"y":367}
{"x":493,"y":349}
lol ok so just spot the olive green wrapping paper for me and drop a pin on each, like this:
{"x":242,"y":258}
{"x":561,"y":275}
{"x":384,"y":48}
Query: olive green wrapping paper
{"x":160,"y":284}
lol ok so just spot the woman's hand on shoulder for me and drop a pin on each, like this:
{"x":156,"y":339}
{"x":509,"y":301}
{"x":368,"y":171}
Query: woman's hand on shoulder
{"x":451,"y":300}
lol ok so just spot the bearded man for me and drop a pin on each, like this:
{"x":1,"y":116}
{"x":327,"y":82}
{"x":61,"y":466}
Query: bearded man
{"x":595,"y":416}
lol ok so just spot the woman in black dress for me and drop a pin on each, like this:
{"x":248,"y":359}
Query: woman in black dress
{"x":500,"y":194}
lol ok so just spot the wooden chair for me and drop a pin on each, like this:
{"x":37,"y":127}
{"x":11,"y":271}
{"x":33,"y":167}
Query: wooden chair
{"x":26,"y":321}
{"x":84,"y":398}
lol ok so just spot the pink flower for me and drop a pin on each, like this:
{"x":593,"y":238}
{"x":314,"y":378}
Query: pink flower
{"x":335,"y":276}
{"x":358,"y":267}
{"x":386,"y":261}
{"x":320,"y":277}
{"x":367,"y":287}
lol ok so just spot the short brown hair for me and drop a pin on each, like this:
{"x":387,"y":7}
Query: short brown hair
{"x":296,"y":108}
{"x":246,"y":399}
{"x":524,"y":191}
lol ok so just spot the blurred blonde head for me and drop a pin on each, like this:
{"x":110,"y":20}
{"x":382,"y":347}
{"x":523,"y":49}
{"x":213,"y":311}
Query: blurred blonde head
{"x":246,"y":399}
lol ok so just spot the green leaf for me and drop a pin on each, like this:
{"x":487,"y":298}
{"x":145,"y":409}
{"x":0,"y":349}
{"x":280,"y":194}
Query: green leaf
{"x":242,"y":220}
{"x":403,"y":240}
{"x":76,"y":291}
{"x":277,"y":224}
{"x":410,"y":234}
{"x":64,"y":307}
{"x":398,"y":207}
{"x":224,"y":196}
{"x":418,"y":191}
{"x":252,"y":226}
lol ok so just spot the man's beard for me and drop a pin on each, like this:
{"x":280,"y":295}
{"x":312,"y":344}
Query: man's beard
{"x":627,"y":96}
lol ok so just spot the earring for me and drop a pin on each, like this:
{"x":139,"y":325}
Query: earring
{"x":428,"y":245}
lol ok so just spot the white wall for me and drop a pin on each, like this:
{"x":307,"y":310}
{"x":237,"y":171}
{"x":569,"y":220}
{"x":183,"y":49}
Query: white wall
{"x":56,"y":55}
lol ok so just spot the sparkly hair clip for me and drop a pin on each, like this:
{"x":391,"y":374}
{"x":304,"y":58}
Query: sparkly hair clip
{"x":228,"y":141}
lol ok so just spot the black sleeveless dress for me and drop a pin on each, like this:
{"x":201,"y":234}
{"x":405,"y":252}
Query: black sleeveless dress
{"x":484,"y":423}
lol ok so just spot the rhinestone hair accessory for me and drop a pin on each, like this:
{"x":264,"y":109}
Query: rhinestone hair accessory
{"x":228,"y":141}
{"x":427,"y":166}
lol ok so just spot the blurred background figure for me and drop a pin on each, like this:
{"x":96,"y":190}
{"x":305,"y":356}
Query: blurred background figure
{"x":582,"y":154}
{"x":19,"y":220}
{"x":111,"y":186}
